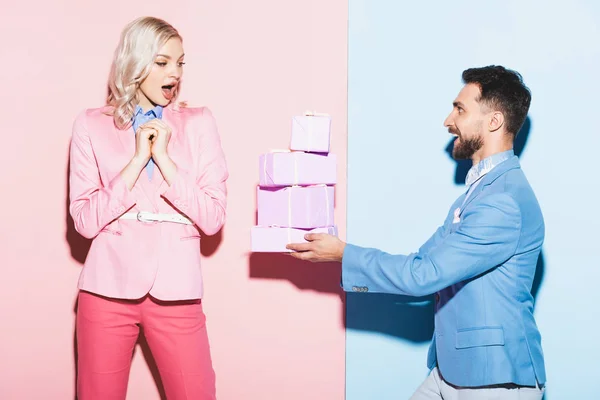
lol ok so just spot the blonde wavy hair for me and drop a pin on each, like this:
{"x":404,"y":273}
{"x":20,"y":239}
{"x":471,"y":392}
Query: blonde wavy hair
{"x":140,"y":41}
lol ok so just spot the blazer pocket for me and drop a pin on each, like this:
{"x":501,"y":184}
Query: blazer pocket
{"x":480,"y":336}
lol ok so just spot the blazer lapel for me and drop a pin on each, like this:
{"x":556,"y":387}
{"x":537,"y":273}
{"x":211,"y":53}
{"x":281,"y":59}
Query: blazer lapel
{"x":491,"y":176}
{"x":473,"y":195}
{"x":126,"y":138}
{"x":158,"y":181}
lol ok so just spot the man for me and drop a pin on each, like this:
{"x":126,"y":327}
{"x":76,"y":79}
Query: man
{"x":480,"y":263}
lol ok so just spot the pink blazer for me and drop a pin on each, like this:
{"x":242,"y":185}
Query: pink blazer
{"x":129,"y":259}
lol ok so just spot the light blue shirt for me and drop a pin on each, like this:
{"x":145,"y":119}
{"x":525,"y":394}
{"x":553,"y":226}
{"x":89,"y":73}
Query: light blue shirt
{"x":140,"y":118}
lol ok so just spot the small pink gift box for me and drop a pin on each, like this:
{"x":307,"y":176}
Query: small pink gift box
{"x":311,"y":133}
{"x":296,"y":168}
{"x":273,"y":240}
{"x":296,"y":206}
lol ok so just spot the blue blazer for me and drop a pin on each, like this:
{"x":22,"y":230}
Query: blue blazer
{"x":480,"y":265}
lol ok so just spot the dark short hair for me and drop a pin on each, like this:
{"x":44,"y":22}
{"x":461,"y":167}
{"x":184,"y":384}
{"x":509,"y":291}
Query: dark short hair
{"x":504,"y":90}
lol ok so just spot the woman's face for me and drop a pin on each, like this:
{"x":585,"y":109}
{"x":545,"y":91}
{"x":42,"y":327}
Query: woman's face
{"x":160,"y":86}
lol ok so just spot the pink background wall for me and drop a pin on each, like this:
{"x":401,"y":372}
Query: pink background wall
{"x":276,"y":326}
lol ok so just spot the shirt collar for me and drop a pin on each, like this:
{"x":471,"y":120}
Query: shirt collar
{"x":486,"y":165}
{"x":157,"y":111}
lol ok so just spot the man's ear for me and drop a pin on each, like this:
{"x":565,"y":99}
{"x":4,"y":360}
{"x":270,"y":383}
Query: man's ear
{"x":496,"y":121}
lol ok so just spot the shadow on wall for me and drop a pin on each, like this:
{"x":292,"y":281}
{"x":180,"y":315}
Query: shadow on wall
{"x":320,"y":277}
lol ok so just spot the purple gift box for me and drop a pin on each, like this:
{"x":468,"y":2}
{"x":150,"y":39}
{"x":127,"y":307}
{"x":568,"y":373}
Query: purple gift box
{"x":273,"y":240}
{"x":296,"y":206}
{"x":311,"y":133}
{"x":296,"y":168}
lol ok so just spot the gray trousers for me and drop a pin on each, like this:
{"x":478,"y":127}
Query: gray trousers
{"x":434,"y":388}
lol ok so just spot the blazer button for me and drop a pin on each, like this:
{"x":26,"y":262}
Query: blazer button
{"x":365,"y":289}
{"x":355,"y":289}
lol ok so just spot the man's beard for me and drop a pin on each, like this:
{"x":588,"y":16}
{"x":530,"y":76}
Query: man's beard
{"x":465,"y":148}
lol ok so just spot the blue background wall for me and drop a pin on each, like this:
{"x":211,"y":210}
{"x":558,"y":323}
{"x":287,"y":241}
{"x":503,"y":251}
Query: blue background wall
{"x":405,"y":62}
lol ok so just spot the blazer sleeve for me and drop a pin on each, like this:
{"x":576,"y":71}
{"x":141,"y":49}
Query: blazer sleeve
{"x":92,"y":204}
{"x":202,"y":194}
{"x":487,"y":236}
{"x":433,"y":241}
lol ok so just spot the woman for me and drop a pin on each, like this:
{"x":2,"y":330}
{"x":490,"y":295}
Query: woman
{"x":146,"y":176}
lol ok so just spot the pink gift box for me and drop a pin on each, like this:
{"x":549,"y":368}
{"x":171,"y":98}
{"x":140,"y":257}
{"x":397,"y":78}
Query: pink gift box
{"x":296,"y":206}
{"x":311,"y":133}
{"x":273,"y":240}
{"x":296,"y":168}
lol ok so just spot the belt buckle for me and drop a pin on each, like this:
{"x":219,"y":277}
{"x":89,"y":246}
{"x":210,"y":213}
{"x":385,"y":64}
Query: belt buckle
{"x":143,"y":217}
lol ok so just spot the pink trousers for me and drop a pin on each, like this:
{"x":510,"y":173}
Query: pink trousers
{"x":108,"y":329}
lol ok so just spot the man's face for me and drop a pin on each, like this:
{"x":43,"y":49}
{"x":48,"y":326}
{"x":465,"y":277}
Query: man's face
{"x":466,"y":122}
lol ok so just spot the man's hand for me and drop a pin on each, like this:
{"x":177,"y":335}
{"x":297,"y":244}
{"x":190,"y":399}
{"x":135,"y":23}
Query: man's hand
{"x":321,"y":247}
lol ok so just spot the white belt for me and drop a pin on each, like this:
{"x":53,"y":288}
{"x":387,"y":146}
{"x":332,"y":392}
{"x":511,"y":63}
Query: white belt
{"x":145,"y":216}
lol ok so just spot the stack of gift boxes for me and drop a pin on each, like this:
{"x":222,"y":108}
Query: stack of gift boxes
{"x":295,"y":195}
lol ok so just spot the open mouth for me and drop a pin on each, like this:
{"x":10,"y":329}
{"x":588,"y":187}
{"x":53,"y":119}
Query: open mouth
{"x":168,"y":91}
